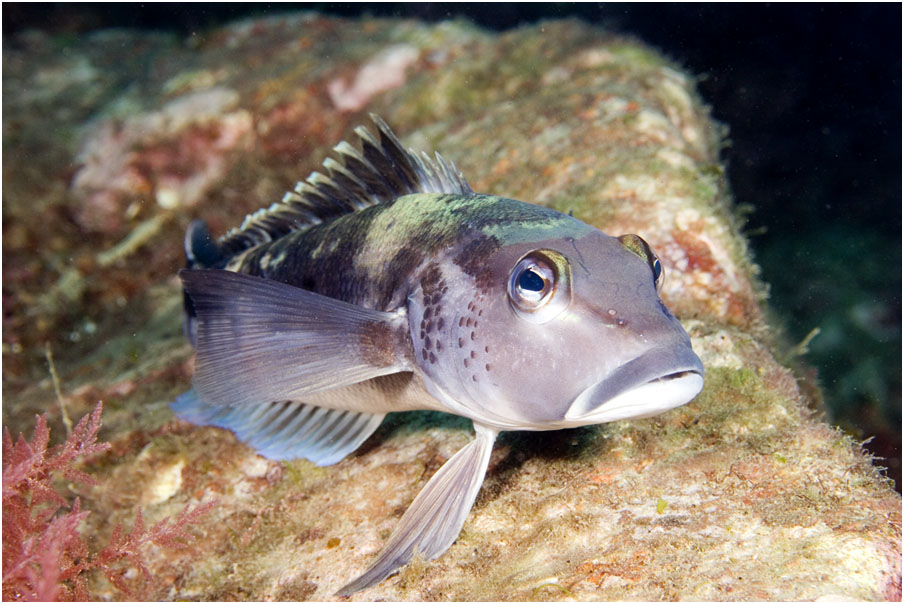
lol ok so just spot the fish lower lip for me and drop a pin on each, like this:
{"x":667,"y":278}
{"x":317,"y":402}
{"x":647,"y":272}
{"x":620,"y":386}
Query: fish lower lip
{"x":640,"y":388}
{"x":645,"y":400}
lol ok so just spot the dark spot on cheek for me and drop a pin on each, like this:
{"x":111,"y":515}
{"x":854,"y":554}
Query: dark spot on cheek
{"x":439,"y":346}
{"x":466,"y":362}
{"x":428,"y":344}
{"x":486,"y":349}
{"x":432,"y":359}
{"x":473,"y":355}
{"x":473,"y":336}
{"x":474,"y":378}
{"x":440,"y":323}
{"x":488,"y":366}
{"x":461,"y":343}
{"x":428,"y":312}
{"x":424,"y":353}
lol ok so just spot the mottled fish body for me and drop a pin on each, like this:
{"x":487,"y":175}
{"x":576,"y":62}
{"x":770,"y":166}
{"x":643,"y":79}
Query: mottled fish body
{"x":389,"y":285}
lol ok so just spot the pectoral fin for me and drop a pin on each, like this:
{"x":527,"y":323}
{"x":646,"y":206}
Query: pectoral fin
{"x":260,"y":340}
{"x":433,"y":521}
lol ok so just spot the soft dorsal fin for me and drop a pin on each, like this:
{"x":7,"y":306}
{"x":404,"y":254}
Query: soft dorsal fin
{"x":382,"y":170}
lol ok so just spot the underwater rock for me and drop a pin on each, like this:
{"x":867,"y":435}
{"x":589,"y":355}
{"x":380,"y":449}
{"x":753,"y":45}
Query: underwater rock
{"x":745,"y":493}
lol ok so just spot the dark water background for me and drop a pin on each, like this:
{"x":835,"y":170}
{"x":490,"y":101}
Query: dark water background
{"x":812,"y":98}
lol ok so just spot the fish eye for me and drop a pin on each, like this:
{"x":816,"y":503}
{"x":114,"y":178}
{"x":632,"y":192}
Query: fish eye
{"x":658,"y":273}
{"x":534,"y":282}
{"x":540,"y":286}
{"x":641,"y":248}
{"x":531,"y":280}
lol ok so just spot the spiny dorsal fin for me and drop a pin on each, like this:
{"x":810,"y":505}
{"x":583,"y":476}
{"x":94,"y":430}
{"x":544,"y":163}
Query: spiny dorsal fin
{"x":380,"y":171}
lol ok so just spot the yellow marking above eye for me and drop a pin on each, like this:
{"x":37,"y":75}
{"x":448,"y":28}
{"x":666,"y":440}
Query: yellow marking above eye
{"x":636,"y":245}
{"x":540,"y":286}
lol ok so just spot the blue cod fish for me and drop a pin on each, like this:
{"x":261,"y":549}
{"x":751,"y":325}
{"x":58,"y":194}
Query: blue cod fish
{"x":389,"y":285}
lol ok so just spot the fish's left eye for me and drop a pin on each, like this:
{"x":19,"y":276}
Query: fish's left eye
{"x":641,"y":248}
{"x":540,"y":286}
{"x":658,"y":273}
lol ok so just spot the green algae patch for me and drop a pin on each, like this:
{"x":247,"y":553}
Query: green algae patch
{"x":302,"y":472}
{"x":635,"y":57}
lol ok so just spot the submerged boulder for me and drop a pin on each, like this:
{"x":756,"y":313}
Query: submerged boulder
{"x":745,"y":493}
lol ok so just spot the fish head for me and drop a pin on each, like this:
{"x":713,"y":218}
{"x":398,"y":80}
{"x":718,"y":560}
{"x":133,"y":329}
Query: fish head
{"x":552,"y":330}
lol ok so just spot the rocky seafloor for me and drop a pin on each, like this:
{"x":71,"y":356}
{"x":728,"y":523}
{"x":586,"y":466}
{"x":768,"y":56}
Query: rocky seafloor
{"x":115,"y":141}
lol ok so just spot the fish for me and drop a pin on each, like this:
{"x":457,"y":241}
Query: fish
{"x":385,"y":284}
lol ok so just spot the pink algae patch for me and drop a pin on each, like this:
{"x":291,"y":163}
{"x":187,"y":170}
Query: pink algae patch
{"x":712,"y":284}
{"x":173,"y":155}
{"x":385,"y":71}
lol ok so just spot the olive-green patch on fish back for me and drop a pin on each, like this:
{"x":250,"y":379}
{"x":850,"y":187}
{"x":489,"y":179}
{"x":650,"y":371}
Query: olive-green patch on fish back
{"x":381,"y":171}
{"x":507,"y":221}
{"x":367,"y":257}
{"x":376,"y":251}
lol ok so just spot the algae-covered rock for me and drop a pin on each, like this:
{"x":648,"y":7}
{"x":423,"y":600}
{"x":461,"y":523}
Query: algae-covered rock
{"x":745,"y":493}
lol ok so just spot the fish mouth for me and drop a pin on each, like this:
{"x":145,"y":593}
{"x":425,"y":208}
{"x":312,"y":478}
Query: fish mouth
{"x":648,"y":385}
